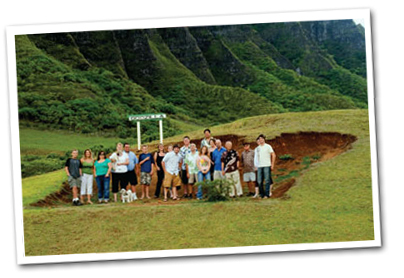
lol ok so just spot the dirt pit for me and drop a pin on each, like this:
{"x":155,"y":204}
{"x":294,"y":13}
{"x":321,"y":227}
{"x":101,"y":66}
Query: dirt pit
{"x":295,"y":152}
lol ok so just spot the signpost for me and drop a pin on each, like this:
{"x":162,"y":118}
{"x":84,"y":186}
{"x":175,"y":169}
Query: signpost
{"x":142,"y":117}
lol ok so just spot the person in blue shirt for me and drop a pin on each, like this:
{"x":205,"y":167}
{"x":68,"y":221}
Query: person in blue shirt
{"x":217,"y":159}
{"x":131,"y":176}
{"x":146,"y":162}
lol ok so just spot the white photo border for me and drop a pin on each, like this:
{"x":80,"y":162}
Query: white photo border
{"x":12,"y":31}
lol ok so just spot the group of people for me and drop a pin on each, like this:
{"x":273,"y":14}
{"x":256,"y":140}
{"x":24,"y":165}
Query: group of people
{"x":178,"y":167}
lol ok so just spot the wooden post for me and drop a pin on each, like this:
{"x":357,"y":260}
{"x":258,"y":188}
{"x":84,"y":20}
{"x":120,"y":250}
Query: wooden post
{"x":161,"y":131}
{"x":138,"y":135}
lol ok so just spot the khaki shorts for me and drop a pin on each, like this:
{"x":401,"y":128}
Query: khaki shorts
{"x":74,"y":181}
{"x":171,"y":180}
{"x":248,"y":177}
{"x":193,"y":178}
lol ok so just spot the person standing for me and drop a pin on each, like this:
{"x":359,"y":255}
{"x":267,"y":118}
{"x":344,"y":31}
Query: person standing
{"x":230,"y":165}
{"x":217,"y":160}
{"x":256,"y":164}
{"x":73,"y":170}
{"x":191,"y":168}
{"x":119,"y":160}
{"x":146,"y":170}
{"x":206,"y":141}
{"x":158,"y":158}
{"x":183,"y":153}
{"x":172,"y":165}
{"x":266,"y":162}
{"x":247,"y":161}
{"x":203,"y":163}
{"x":131,"y":176}
{"x":211,"y":149}
{"x":102,"y":170}
{"x":87,"y":162}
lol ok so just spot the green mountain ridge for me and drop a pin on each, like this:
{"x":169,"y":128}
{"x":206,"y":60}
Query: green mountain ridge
{"x":88,"y":82}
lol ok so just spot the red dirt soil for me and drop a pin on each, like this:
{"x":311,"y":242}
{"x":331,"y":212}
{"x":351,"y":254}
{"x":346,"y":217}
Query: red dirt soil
{"x":314,"y":146}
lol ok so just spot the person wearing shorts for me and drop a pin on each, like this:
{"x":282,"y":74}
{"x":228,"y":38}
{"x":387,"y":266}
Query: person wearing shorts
{"x":191,"y":168}
{"x":146,"y":162}
{"x":131,"y":176}
{"x":247,"y":161}
{"x":172,"y":165}
{"x":73,"y":170}
{"x":120,"y":160}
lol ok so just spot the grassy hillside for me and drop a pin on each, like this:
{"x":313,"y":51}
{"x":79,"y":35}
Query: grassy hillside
{"x":89,"y":82}
{"x":331,"y":202}
{"x":44,"y":151}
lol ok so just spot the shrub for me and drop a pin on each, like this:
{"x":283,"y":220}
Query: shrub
{"x":217,"y":190}
{"x":54,"y":156}
{"x":286,"y":157}
{"x":40,"y":166}
{"x":306,"y":161}
{"x":316,"y":157}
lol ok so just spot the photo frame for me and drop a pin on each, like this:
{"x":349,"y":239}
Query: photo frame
{"x":172,"y":23}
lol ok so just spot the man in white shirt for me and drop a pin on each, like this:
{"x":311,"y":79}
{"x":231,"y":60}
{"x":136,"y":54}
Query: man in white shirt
{"x":266,"y":163}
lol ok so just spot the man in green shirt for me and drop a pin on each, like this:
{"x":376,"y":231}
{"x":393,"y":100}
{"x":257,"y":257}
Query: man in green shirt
{"x":192,"y":168}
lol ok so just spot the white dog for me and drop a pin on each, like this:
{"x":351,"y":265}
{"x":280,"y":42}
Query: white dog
{"x":130,"y":195}
{"x":125,"y":196}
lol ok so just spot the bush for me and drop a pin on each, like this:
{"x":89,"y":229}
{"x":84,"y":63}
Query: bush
{"x":286,"y":157}
{"x":316,"y":157}
{"x":54,"y":156}
{"x":217,"y":190}
{"x":40,"y":166}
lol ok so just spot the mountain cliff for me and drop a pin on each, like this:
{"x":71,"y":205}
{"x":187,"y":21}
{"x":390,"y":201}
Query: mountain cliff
{"x":200,"y":76}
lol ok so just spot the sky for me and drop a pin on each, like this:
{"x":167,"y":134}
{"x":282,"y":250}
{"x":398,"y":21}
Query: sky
{"x":361,"y":21}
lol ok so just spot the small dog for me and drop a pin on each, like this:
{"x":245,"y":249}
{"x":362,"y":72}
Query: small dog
{"x":125,"y":196}
{"x":130,"y":195}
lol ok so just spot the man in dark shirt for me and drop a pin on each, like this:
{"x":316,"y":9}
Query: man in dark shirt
{"x":230,"y":165}
{"x":73,"y":170}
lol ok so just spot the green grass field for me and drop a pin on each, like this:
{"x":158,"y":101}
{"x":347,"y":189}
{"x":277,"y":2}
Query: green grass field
{"x":331,"y":202}
{"x":42,"y":142}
